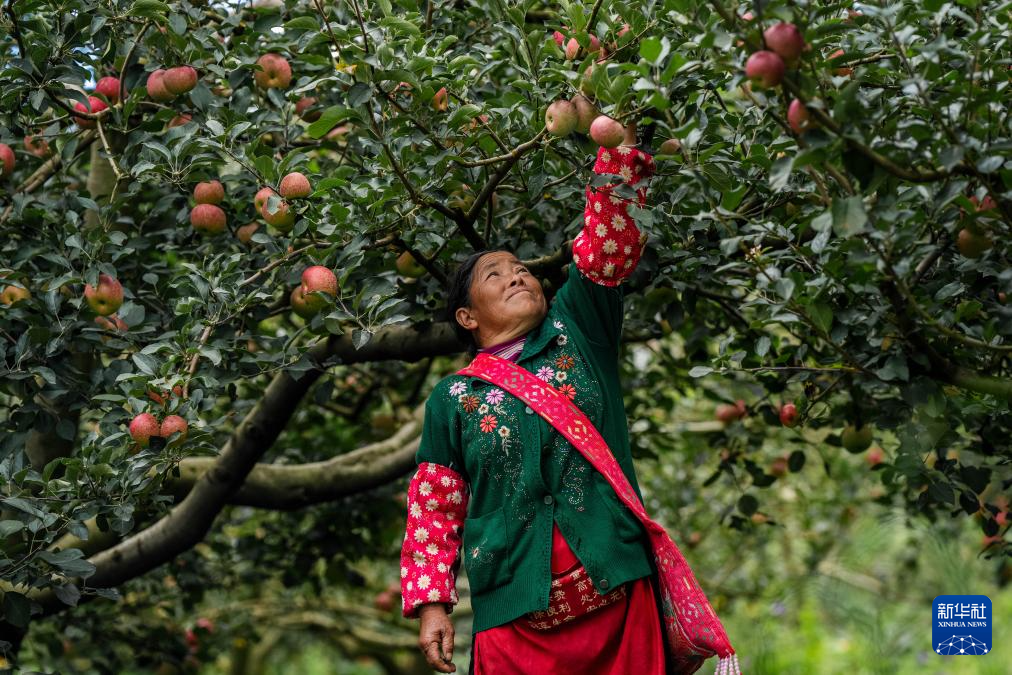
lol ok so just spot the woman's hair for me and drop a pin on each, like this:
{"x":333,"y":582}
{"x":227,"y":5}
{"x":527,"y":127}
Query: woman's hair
{"x":459,"y":295}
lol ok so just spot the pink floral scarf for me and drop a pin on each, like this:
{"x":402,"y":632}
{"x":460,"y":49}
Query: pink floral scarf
{"x":694,"y":633}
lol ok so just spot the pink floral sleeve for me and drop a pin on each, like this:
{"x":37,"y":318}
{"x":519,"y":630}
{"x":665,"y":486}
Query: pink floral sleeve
{"x":608,"y":248}
{"x":437,"y":507}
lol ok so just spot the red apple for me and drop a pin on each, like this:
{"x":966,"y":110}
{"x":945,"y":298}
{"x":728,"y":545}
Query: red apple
{"x":607,"y":132}
{"x":728,"y":413}
{"x":173,"y":424}
{"x":572,"y":49}
{"x":298,"y":302}
{"x":143,"y":427}
{"x":209,"y":192}
{"x":246,"y":232}
{"x":786,"y":40}
{"x":586,"y":113}
{"x":875,"y":456}
{"x":7,"y":160}
{"x":844,"y":70}
{"x":180,"y":79}
{"x":559,"y":38}
{"x":35,"y":145}
{"x":306,"y":110}
{"x":1002,"y":297}
{"x":295,"y":185}
{"x":561,"y":118}
{"x":108,"y":87}
{"x":318,"y":278}
{"x":12,"y":295}
{"x":156,"y":87}
{"x":261,"y":197}
{"x":112,"y":323}
{"x":180,"y":119}
{"x":283,"y":218}
{"x":275,"y":72}
{"x":789,"y":415}
{"x":207,"y":218}
{"x":440,"y":100}
{"x":105,"y":299}
{"x":798,"y":117}
{"x":986,"y":204}
{"x":765,"y":69}
{"x":95,"y":105}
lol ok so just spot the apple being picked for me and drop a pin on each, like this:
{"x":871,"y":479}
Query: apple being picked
{"x":318,"y":279}
{"x":105,"y":299}
{"x":607,"y":132}
{"x":561,"y":118}
{"x":274,"y":72}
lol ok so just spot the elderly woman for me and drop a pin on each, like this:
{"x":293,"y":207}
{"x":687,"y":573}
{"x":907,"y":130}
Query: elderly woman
{"x":496,"y":480}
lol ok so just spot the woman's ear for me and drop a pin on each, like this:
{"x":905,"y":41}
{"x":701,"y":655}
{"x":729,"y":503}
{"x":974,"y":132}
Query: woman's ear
{"x":465,"y":318}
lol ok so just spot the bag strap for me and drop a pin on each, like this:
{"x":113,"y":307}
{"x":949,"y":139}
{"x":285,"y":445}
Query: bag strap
{"x":559,"y":411}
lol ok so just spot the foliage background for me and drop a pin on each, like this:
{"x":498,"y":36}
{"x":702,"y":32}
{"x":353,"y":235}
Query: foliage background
{"x":821,"y":269}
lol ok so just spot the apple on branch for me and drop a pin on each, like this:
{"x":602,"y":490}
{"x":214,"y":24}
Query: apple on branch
{"x":180,"y":79}
{"x":209,"y":192}
{"x":95,"y":104}
{"x":7,"y":160}
{"x":294,"y":186}
{"x":561,"y":118}
{"x":155,"y":87}
{"x":107,"y":298}
{"x":274,"y":72}
{"x":108,"y":87}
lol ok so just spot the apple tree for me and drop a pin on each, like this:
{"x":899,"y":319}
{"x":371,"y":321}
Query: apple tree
{"x":228,"y":229}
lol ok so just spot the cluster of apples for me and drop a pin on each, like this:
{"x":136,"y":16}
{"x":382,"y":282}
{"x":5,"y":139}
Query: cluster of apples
{"x":146,"y":426}
{"x":766,"y":68}
{"x":304,"y":298}
{"x":108,"y":89}
{"x":208,"y":217}
{"x":563,"y":117}
{"x":571,"y":48}
{"x":165,"y":85}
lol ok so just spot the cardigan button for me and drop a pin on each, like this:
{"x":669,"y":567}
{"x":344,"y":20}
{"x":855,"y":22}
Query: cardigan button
{"x":528,"y":410}
{"x":549,"y":499}
{"x":603,"y":583}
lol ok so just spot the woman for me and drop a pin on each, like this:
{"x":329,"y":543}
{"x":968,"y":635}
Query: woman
{"x":559,"y":570}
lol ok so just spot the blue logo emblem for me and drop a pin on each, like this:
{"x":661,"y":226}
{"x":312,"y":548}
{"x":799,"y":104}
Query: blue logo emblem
{"x":961,"y":625}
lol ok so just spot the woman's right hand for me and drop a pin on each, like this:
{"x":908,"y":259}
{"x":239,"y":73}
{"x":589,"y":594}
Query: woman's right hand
{"x":435,"y":637}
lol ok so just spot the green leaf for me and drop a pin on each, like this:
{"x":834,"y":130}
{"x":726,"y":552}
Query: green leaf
{"x":780,"y":173}
{"x":150,"y":9}
{"x":400,"y":26}
{"x":700,"y":371}
{"x":650,"y":49}
{"x":17,"y":609}
{"x":748,"y":504}
{"x":822,"y":315}
{"x":9,"y":527}
{"x":146,"y":363}
{"x":849,"y":217}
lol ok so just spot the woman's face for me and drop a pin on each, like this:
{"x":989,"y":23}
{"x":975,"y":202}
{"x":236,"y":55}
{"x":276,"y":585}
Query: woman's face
{"x":506,"y":299}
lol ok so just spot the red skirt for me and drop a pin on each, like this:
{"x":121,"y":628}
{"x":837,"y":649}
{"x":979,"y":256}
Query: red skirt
{"x":620,"y":638}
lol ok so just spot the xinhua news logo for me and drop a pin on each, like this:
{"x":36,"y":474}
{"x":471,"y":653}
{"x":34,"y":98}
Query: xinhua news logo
{"x":961,"y":625}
